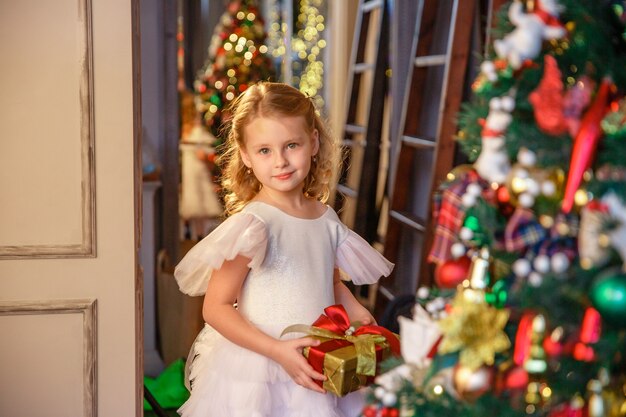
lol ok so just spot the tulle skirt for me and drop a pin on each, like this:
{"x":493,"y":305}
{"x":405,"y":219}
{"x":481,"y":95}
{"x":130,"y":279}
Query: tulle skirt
{"x":230,"y":381}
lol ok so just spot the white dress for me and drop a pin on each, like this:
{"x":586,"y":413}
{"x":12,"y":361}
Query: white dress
{"x":290,"y":282}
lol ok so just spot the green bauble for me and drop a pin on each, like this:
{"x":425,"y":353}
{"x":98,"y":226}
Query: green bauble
{"x":472,"y":223}
{"x":608,"y":294}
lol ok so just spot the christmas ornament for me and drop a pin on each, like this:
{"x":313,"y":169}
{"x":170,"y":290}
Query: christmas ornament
{"x":389,"y":412}
{"x":547,"y":100}
{"x":525,"y":184}
{"x":597,"y":406}
{"x":590,"y":329}
{"x":498,"y":294}
{"x":449,"y":213}
{"x":593,"y":218}
{"x":608,"y":295}
{"x":493,"y":162}
{"x":576,"y":99}
{"x":475,"y":329}
{"x":522,"y":231}
{"x":513,"y":378}
{"x":451,"y":273}
{"x":553,"y":344}
{"x":418,"y":336}
{"x":525,"y":41}
{"x":479,"y":276}
{"x":585,"y":144}
{"x":617,"y":234}
{"x":370,"y":411}
{"x":472,"y":383}
{"x":536,"y":363}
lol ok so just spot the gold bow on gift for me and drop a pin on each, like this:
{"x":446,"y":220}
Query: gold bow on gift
{"x":336,"y":325}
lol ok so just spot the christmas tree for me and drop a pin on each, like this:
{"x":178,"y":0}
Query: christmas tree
{"x":236,"y":58}
{"x":528,"y":314}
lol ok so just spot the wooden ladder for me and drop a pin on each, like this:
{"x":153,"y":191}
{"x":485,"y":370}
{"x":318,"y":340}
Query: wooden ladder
{"x":356,"y":197}
{"x":423,"y":152}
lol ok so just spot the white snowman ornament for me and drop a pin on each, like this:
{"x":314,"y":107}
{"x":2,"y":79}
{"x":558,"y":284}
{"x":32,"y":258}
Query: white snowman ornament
{"x":531,"y":29}
{"x":493,"y":163}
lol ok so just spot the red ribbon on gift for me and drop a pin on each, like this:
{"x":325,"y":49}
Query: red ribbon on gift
{"x":337,"y":321}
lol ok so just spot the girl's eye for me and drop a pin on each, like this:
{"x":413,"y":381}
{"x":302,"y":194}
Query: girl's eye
{"x":292,"y":145}
{"x":264,"y":151}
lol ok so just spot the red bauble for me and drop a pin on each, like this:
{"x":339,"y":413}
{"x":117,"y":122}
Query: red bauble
{"x":585,"y":143}
{"x":369,"y":411}
{"x":452,"y":272}
{"x":389,"y":412}
{"x":516,"y":378}
{"x":552,"y":346}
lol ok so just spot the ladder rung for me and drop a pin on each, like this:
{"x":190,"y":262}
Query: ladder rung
{"x":418,"y":142}
{"x":355,"y":129}
{"x":407,"y":219}
{"x":430,"y":60}
{"x":362,"y":67}
{"x":347,"y":191}
{"x":370,"y":5}
{"x":352,"y":143}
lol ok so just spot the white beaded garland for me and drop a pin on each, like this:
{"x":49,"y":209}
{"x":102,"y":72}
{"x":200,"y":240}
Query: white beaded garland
{"x":466,"y":233}
{"x":457,"y":250}
{"x":526,"y":200}
{"x":542,"y":263}
{"x":532,"y":187}
{"x":474,"y":189}
{"x":548,"y":188}
{"x":535,"y":279}
{"x":526,"y":157}
{"x":468,"y":200}
{"x":521,"y":267}
{"x":559,"y":262}
{"x":389,"y":399}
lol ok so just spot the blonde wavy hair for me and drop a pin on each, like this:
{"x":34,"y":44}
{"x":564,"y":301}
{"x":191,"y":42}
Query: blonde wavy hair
{"x":268,"y":99}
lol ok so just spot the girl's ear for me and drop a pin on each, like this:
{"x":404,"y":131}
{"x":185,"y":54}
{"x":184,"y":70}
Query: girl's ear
{"x":315,"y":139}
{"x":245,"y":158}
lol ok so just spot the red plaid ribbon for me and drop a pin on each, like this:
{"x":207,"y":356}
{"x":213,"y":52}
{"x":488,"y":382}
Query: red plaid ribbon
{"x":449,"y":214}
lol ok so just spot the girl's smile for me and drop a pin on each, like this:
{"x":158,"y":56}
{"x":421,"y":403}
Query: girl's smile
{"x":284,"y":176}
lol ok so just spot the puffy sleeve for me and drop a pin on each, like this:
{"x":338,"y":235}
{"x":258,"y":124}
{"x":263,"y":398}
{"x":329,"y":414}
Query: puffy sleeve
{"x":360,"y":261}
{"x":242,"y":234}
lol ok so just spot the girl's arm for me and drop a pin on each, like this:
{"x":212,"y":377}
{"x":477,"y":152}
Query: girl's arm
{"x":218,"y":311}
{"x":344,"y":296}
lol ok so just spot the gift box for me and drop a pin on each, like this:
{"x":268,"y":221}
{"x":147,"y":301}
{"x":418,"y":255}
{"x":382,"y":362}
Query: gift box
{"x":349,"y":355}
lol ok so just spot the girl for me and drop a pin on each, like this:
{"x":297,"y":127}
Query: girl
{"x":279,"y":257}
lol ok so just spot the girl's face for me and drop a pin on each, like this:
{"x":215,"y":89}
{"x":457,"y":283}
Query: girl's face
{"x":279,"y":151}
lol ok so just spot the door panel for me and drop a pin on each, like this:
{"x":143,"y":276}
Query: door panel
{"x":70,"y":288}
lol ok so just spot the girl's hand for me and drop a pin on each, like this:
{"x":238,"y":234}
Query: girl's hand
{"x":288,"y":353}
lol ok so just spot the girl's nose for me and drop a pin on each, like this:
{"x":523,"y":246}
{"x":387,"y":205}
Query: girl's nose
{"x":280,"y":160}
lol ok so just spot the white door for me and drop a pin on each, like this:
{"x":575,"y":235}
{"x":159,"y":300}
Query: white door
{"x":70,"y":290}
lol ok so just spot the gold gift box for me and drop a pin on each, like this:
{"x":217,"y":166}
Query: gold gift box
{"x":340,"y":367}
